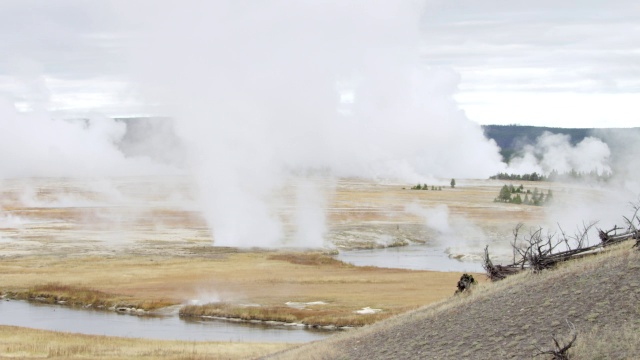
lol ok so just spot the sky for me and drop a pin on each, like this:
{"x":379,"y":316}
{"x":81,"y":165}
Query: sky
{"x":544,"y":63}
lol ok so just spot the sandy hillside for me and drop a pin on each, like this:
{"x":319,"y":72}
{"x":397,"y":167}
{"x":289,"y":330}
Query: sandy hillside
{"x":513,"y":319}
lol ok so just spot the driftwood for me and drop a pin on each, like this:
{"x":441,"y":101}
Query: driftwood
{"x":497,"y":272}
{"x":539,"y":251}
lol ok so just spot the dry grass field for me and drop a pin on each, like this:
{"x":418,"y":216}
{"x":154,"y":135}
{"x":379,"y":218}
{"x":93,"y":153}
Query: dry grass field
{"x":21,"y":343}
{"x":256,"y":277}
{"x":142,"y":243}
{"x":512,"y":319}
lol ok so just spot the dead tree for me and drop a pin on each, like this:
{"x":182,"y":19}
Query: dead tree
{"x":560,"y":352}
{"x":633,"y":230}
{"x":497,"y":272}
{"x":539,"y":250}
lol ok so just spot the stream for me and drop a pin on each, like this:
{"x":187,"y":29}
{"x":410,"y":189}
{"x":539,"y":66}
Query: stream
{"x":93,"y":322}
{"x":86,"y":321}
{"x":413,"y":257}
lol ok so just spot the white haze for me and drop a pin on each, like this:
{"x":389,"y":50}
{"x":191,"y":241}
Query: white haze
{"x":271,"y":93}
{"x":587,"y":201}
{"x":555,"y":152}
{"x":454,"y":232}
{"x":37,"y":144}
{"x":253,"y":87}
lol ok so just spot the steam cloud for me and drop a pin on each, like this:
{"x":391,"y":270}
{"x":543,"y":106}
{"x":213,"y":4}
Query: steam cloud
{"x":265,"y":91}
{"x":555,"y":152}
{"x":273,"y":93}
{"x":35,"y":144}
{"x":607,"y":152}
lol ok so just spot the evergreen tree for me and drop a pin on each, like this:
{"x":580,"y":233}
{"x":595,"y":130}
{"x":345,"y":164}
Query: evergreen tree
{"x":517,"y":199}
{"x":505,"y":194}
{"x":536,"y":198}
{"x":453,"y":183}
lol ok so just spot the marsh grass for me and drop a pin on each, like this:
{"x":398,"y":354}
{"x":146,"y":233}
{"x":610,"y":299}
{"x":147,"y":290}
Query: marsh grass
{"x":306,"y":258}
{"x":22,"y":343}
{"x":270,"y":279}
{"x":56,"y":293}
{"x":313,"y":316}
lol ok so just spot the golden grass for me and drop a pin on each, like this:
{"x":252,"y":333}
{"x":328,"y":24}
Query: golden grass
{"x":318,"y":315}
{"x":22,"y":343}
{"x":55,"y":293}
{"x":153,"y":275}
{"x":304,"y":258}
{"x":269,"y":279}
{"x":599,"y":343}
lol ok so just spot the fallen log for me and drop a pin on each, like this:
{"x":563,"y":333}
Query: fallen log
{"x":498,"y":272}
{"x":607,"y":239}
{"x":539,"y":253}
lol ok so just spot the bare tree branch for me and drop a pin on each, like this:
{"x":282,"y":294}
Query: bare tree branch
{"x":560,"y":352}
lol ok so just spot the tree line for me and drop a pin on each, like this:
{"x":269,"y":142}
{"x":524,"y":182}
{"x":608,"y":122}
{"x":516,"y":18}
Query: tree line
{"x":554,"y":175}
{"x":433,"y":187}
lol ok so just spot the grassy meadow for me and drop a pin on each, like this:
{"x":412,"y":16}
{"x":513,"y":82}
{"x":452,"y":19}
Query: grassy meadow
{"x":69,"y":245}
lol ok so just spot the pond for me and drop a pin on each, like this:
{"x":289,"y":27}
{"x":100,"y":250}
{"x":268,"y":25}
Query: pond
{"x":414,"y":257}
{"x":59,"y":318}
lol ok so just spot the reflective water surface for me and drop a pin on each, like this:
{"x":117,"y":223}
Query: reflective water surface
{"x":59,"y":318}
{"x":414,"y":257}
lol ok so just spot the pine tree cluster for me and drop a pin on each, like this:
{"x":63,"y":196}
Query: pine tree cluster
{"x":513,"y":195}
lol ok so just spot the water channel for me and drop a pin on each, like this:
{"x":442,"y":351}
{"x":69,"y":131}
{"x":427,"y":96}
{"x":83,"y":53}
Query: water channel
{"x":60,"y":318}
{"x":414,"y":257}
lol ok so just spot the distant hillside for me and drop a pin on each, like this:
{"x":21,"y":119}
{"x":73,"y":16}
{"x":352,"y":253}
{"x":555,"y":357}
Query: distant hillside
{"x":511,"y":138}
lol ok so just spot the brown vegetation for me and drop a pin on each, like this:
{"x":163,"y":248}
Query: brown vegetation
{"x":21,"y":343}
{"x":313,"y":316}
{"x":514,"y":318}
{"x":269,"y":279}
{"x":312,"y":258}
{"x":55,"y":293}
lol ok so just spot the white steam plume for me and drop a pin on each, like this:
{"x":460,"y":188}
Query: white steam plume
{"x":555,"y":152}
{"x":256,"y":91}
{"x":589,"y":200}
{"x":454,"y":232}
{"x":35,"y":144}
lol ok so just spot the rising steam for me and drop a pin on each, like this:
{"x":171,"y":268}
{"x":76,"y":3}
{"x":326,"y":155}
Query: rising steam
{"x":265,"y":91}
{"x":555,"y":152}
{"x":266,"y":95}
